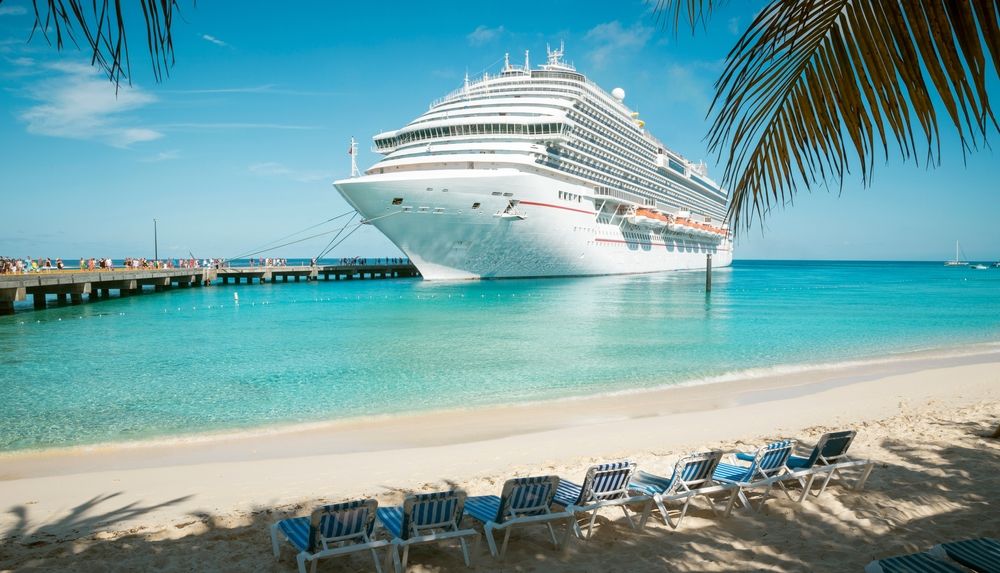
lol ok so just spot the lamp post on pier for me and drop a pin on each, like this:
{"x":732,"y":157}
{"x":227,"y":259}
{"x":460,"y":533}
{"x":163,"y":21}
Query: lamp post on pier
{"x":156,"y":244}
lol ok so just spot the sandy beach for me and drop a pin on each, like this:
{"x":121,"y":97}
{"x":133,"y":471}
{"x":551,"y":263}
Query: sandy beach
{"x":206,"y":503}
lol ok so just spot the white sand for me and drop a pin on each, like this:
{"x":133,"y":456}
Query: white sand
{"x":206,"y":504}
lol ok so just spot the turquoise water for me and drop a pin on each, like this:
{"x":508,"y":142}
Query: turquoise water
{"x":188,"y":361}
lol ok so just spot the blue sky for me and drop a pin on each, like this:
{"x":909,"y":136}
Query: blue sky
{"x":240,"y":144}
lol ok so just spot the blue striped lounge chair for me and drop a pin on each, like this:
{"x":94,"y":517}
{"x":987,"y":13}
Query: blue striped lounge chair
{"x":913,"y":563}
{"x":331,"y":530}
{"x":767,"y":468}
{"x":425,"y":518}
{"x":827,"y":458}
{"x":980,"y":555}
{"x":604,"y":485}
{"x":692,"y":477}
{"x":523,"y":502}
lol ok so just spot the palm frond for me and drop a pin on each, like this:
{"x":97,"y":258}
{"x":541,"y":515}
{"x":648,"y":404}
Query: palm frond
{"x":102,"y":26}
{"x":669,"y":13}
{"x":814,"y":87}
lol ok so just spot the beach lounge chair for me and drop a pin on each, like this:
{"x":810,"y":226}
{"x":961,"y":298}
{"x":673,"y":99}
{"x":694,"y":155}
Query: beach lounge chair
{"x":828,"y":457}
{"x":980,"y":555}
{"x":331,"y":530}
{"x":425,"y":518}
{"x":692,"y":477}
{"x":604,"y":485}
{"x":522,"y":502}
{"x":767,"y":468}
{"x":913,"y":563}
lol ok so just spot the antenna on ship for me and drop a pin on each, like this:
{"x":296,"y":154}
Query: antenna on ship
{"x":527,"y":64}
{"x":353,"y":152}
{"x":506,"y":61}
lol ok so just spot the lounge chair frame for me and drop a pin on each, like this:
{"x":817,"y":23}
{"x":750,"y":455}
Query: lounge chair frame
{"x":356,"y":536}
{"x":430,"y":518}
{"x":828,"y":458}
{"x":525,"y":502}
{"x":691,"y":478}
{"x":604,"y":485}
{"x":768,"y":468}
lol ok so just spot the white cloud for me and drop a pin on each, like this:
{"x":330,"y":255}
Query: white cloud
{"x":611,"y":40}
{"x":214,"y":40}
{"x":691,"y":84}
{"x":235,"y":125}
{"x":484,"y":34}
{"x":162,"y":156}
{"x":80,"y":104}
{"x":734,"y":26}
{"x":12,"y":10}
{"x":22,"y":61}
{"x":273,"y":169}
{"x":270,"y":89}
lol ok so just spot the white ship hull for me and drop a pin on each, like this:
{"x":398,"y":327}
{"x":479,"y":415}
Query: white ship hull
{"x":436,"y":225}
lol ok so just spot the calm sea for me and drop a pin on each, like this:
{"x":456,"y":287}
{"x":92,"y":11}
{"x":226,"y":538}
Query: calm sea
{"x":191,"y":360}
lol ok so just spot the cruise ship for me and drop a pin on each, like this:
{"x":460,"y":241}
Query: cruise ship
{"x":538,"y":172}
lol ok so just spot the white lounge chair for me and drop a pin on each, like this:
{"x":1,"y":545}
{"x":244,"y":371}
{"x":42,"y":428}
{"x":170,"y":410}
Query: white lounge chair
{"x":691,"y":477}
{"x":829,"y":458}
{"x":604,"y":485}
{"x":523,"y":502}
{"x":426,"y":518}
{"x":980,"y":555}
{"x":912,"y":563}
{"x":767,"y":468}
{"x":331,"y":530}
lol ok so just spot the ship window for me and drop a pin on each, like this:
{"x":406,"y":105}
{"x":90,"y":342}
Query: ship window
{"x":497,"y":193}
{"x":397,"y":201}
{"x":475,"y":205}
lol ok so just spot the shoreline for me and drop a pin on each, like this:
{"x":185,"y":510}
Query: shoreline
{"x":200,"y":506}
{"x":743,"y":387}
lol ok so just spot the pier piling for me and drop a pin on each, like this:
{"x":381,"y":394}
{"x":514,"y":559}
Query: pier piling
{"x":708,"y":272}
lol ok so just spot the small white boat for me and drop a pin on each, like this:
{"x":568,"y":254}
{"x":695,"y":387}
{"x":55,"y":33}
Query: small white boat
{"x":979,"y":267}
{"x":957,"y":262}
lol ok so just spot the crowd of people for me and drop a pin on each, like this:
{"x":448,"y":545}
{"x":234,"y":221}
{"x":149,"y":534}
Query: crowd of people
{"x":375,"y":261}
{"x":13,"y":265}
{"x":269,"y":262}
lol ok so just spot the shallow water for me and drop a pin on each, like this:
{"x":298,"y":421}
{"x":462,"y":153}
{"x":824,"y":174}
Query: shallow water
{"x":190,"y":360}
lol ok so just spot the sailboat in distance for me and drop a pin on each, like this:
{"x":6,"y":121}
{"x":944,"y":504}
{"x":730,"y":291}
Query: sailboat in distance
{"x":956,"y":262}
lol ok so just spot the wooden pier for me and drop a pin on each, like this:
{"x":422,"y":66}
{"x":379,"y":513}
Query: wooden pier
{"x":327,"y":272}
{"x":70,"y":287}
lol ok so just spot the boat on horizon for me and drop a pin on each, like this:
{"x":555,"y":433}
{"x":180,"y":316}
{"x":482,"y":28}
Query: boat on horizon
{"x":538,"y":172}
{"x":957,"y":262}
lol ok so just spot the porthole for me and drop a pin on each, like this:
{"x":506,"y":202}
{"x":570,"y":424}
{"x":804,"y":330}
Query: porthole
{"x":475,"y":205}
{"x":397,"y":201}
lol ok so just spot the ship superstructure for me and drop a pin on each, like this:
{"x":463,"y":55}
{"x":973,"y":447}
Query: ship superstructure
{"x":539,"y":172}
